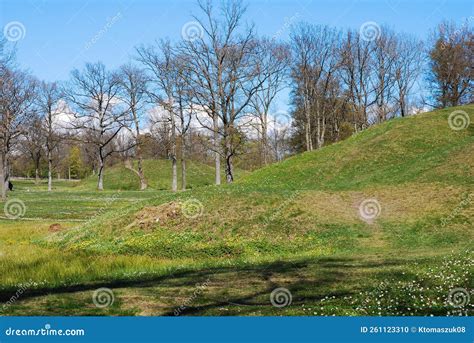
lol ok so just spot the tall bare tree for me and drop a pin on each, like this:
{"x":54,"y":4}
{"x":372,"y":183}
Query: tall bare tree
{"x":133,"y":84}
{"x":314,"y":72}
{"x":223,"y":61}
{"x":450,"y":74}
{"x":33,"y":141}
{"x":99,"y":116}
{"x":385,"y":56}
{"x":356,"y":72}
{"x":17,"y":100}
{"x":408,"y":67}
{"x":271,"y":78}
{"x":160,"y":61}
{"x":49,"y":107}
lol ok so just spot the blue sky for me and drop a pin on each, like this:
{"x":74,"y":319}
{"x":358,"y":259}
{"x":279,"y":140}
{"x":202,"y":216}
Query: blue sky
{"x":62,"y":35}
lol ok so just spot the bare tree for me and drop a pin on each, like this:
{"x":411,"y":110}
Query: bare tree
{"x":184,"y":110}
{"x":98,"y":114}
{"x":385,"y":56}
{"x":49,"y":97}
{"x":133,"y":82}
{"x":274,"y":60}
{"x":450,"y":74}
{"x":303,"y":50}
{"x":33,"y":141}
{"x":161,"y":63}
{"x":17,"y":99}
{"x":408,"y":67}
{"x":314,"y":72}
{"x":223,"y":62}
{"x":356,"y":73}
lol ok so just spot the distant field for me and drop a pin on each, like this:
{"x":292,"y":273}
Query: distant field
{"x":299,"y":227}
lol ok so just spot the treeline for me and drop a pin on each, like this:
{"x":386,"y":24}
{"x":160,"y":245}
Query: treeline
{"x":210,"y":97}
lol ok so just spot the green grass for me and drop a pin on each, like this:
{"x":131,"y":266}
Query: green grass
{"x":296,"y":225}
{"x":158,"y":175}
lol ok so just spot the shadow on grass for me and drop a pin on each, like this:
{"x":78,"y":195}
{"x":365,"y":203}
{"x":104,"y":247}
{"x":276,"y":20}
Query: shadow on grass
{"x":308,"y":279}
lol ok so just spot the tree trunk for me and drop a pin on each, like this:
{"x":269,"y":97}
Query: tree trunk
{"x":229,"y":172}
{"x":309,"y":141}
{"x":3,"y":177}
{"x":50,"y":167}
{"x":141,"y":174}
{"x":50,"y":177}
{"x":402,"y":105}
{"x":217,"y":149}
{"x":100,"y":182}
{"x":183,"y":161}
{"x":174,"y":182}
{"x":37,"y":178}
{"x":174,"y":167}
{"x":264,"y":141}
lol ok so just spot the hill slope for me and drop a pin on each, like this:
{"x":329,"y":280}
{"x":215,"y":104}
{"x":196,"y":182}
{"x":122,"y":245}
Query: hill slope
{"x":416,"y":170}
{"x":420,"y":148}
{"x":387,"y":205}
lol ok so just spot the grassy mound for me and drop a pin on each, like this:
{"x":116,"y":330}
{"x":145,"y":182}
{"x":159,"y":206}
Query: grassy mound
{"x":362,"y":227}
{"x":421,"y":148}
{"x":158,"y":174}
{"x":416,"y":171}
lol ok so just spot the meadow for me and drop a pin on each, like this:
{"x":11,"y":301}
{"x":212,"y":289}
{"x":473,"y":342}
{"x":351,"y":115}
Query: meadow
{"x":379,"y":224}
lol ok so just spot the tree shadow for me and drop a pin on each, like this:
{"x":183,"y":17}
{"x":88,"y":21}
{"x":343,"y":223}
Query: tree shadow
{"x":305,"y":278}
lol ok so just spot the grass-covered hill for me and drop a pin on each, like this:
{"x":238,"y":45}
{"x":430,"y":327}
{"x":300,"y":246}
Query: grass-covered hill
{"x":381,"y":223}
{"x":158,"y":174}
{"x":421,"y":149}
{"x":417,"y":169}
